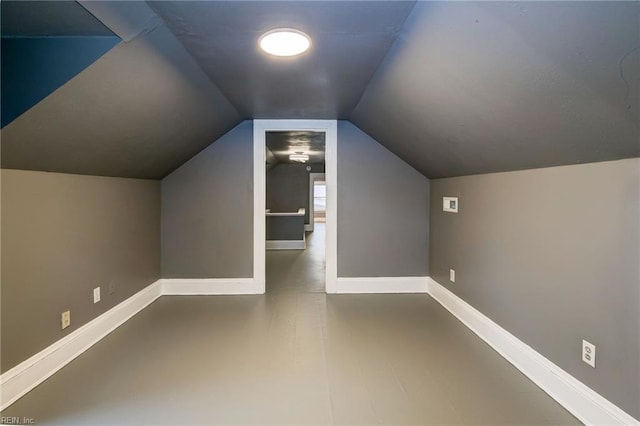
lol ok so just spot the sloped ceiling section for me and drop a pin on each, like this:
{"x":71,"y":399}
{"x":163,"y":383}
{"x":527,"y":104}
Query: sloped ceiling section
{"x":453,"y":88}
{"x":485,"y":87}
{"x":49,"y":18}
{"x":349,"y":40}
{"x":33,"y":67}
{"x":44,"y":45}
{"x":126,"y":19}
{"x":141,"y":110}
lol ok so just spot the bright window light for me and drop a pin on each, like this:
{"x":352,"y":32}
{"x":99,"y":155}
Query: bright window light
{"x":284,"y":42}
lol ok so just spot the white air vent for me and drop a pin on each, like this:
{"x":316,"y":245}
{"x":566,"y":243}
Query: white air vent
{"x":450,"y":204}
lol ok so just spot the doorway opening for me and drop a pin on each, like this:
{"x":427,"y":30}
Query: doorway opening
{"x":295,"y":243}
{"x":319,"y":201}
{"x":293,"y":251}
{"x":317,"y":195}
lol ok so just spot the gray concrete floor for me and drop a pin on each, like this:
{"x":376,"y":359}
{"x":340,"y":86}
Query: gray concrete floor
{"x":298,"y":270}
{"x":292,"y":356}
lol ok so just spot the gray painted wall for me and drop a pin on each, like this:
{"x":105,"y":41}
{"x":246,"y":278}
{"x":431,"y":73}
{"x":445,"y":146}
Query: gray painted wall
{"x":207,"y":211}
{"x":383,"y":210}
{"x":288,"y":188}
{"x":63,"y":235}
{"x":552,"y":255}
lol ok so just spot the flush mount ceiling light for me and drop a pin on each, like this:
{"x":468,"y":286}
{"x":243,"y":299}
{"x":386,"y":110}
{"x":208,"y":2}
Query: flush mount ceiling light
{"x":284,"y":42}
{"x":299,"y":157}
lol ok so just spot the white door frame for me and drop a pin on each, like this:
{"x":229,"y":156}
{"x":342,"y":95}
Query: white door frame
{"x":312,"y":178}
{"x":330,"y":128}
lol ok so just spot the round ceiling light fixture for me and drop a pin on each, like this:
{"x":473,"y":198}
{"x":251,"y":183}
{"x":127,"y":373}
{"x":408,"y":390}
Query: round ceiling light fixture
{"x":299,"y":157}
{"x":285,"y":42}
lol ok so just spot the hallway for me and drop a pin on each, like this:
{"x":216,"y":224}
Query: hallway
{"x":300,"y":271}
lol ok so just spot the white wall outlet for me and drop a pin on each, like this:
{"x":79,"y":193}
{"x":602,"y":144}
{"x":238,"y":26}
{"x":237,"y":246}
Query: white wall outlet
{"x":452,"y":275}
{"x":589,"y":353}
{"x":450,"y":204}
{"x":96,"y":295}
{"x":65,"y":320}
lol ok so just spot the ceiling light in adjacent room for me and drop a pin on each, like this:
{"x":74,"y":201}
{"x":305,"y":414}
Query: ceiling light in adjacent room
{"x":285,"y":42}
{"x":299,"y":157}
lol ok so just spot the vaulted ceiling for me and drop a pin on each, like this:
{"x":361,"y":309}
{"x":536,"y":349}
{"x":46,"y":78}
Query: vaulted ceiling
{"x":350,"y":39}
{"x":453,"y":88}
{"x":493,"y":86}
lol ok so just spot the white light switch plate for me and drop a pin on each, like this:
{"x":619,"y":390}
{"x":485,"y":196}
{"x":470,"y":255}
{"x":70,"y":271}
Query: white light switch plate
{"x":452,"y":275}
{"x":96,"y":295}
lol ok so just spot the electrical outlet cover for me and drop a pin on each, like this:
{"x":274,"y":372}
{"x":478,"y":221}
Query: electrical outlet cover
{"x":452,"y":275}
{"x":65,"y":319}
{"x":589,"y":353}
{"x":96,"y":295}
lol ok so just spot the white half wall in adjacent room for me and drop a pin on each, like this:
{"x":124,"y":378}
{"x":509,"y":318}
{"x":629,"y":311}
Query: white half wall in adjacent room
{"x":352,"y":285}
{"x":286,"y":244}
{"x":208,"y":286}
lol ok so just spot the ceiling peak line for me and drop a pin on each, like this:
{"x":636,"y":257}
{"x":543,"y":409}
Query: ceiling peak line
{"x":621,"y":68}
{"x":397,"y":38}
{"x":129,"y":20}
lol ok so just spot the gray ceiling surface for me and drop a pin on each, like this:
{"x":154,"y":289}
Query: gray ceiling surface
{"x":141,"y":110}
{"x":48,"y":18}
{"x":452,"y":88}
{"x":127,"y":19}
{"x":282,"y":144}
{"x":349,"y":40}
{"x":493,"y":86}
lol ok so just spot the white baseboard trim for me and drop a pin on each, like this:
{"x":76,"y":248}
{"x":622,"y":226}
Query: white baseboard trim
{"x":583,"y":402}
{"x":355,"y":285}
{"x":208,"y":286}
{"x":22,"y":378}
{"x":19,"y":380}
{"x":286,"y":244}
